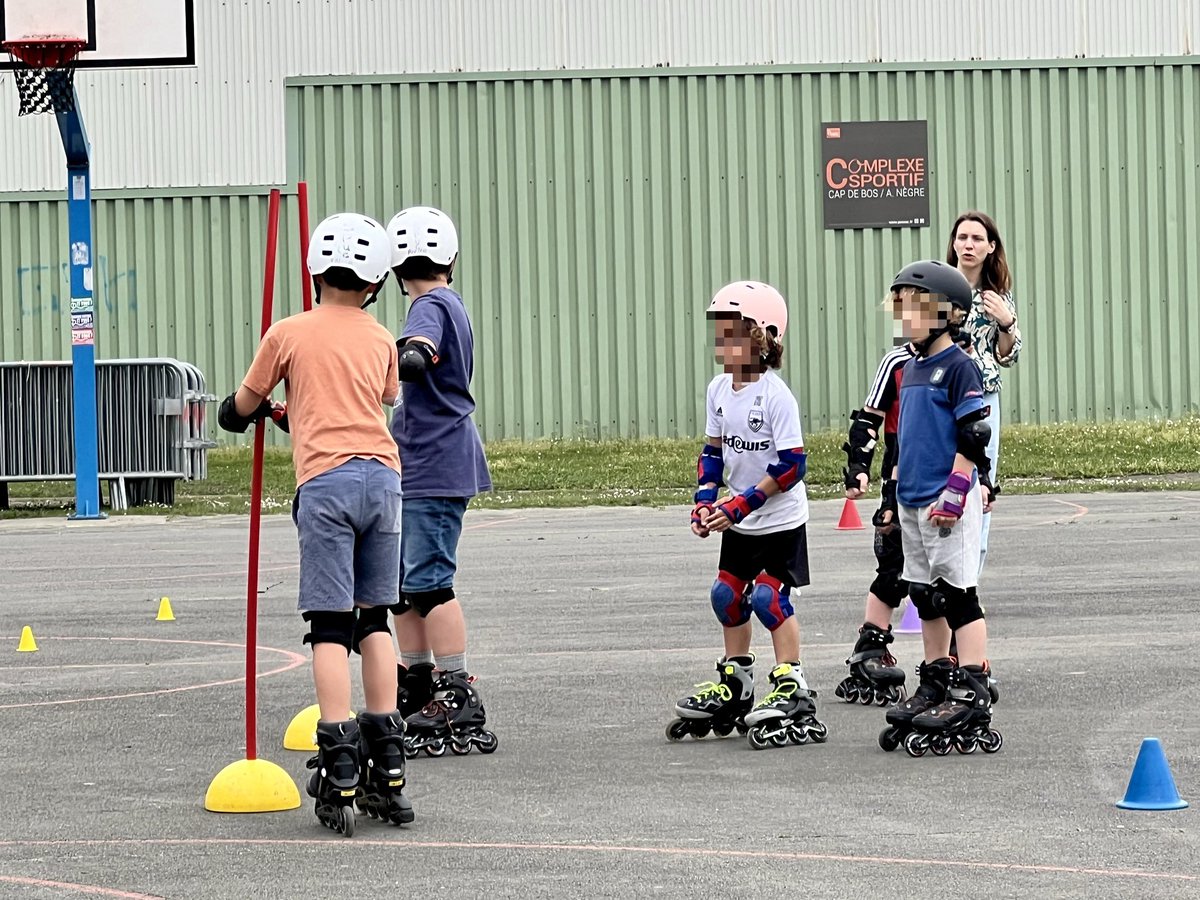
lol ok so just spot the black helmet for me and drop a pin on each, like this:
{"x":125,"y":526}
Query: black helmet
{"x":936,"y":277}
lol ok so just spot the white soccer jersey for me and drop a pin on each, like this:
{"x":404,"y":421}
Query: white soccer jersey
{"x":754,"y":424}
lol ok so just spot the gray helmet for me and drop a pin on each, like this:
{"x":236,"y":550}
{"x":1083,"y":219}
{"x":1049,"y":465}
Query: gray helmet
{"x":936,"y":277}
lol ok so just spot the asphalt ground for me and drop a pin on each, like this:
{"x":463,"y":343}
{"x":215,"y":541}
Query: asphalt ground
{"x":585,"y":627}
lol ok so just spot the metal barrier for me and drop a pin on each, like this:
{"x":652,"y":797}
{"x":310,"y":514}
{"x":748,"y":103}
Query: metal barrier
{"x":150,"y":422}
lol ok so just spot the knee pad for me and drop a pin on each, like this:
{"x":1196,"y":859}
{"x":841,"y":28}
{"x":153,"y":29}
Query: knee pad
{"x":962,"y":605}
{"x":370,"y":620}
{"x":729,"y":600}
{"x":326,"y":627}
{"x":890,"y":589}
{"x":425,"y":602}
{"x":930,"y":603}
{"x":770,"y":601}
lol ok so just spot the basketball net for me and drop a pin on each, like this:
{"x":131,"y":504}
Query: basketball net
{"x":44,"y":72}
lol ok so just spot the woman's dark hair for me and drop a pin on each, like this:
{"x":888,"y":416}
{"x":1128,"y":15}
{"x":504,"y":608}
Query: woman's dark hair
{"x":994,"y":276}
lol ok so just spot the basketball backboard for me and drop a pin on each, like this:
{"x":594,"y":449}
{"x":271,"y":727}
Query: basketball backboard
{"x":125,"y":34}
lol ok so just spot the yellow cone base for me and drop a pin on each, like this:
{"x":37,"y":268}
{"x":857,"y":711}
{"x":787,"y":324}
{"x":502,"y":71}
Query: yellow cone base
{"x":301,"y":733}
{"x":164,"y":611}
{"x":27,"y":643}
{"x":252,"y":786}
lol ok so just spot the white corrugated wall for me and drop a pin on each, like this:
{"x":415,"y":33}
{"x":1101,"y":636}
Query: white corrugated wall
{"x":222,"y":122}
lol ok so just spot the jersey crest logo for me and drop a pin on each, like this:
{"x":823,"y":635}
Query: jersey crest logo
{"x":755,"y":420}
{"x":938,"y":374}
{"x":720,"y":412}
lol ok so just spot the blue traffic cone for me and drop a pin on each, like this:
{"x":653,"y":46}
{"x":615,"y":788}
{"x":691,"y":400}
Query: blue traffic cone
{"x":1151,"y":785}
{"x":910,"y":622}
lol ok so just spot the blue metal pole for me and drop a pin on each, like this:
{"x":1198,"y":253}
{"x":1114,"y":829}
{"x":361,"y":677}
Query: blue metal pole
{"x":83,"y":313}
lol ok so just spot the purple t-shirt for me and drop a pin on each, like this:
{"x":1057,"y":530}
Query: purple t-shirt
{"x":441,"y":454}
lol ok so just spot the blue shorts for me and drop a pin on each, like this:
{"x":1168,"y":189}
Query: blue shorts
{"x":348,"y":520}
{"x":432,"y":527}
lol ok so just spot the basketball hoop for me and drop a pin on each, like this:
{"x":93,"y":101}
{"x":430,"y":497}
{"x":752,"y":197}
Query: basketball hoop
{"x":44,"y":70}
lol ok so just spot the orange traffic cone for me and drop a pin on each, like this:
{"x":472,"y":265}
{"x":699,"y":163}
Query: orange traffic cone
{"x":850,"y":520}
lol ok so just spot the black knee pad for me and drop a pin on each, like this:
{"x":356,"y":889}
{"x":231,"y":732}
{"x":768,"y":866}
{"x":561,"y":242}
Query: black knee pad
{"x":962,"y":604}
{"x":890,"y":589}
{"x":929,"y":602}
{"x":424,"y":602}
{"x":326,"y":627}
{"x":370,"y":620}
{"x":888,"y":586}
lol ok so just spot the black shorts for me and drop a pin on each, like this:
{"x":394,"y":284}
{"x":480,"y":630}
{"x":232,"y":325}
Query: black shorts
{"x":781,"y":554}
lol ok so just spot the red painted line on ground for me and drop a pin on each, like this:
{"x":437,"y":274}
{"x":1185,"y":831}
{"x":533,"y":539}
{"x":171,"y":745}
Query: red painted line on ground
{"x":342,"y":845}
{"x":295,"y":660}
{"x":76,"y":888}
{"x":494,"y":523}
{"x":1081,"y":511}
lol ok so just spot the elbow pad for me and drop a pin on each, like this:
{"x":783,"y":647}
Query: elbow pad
{"x":973,"y":434}
{"x":415,"y":358}
{"x":230,"y":419}
{"x":790,"y":469}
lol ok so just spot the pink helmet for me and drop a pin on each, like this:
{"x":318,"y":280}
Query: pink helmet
{"x":752,"y":300}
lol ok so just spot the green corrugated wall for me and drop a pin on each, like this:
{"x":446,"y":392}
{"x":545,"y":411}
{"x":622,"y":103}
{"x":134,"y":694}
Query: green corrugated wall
{"x":598,"y":213}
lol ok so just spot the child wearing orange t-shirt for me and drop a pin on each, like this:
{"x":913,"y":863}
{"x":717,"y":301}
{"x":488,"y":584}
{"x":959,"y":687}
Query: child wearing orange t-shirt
{"x":339,"y":368}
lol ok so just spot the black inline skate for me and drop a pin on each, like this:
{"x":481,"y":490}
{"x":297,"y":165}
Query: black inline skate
{"x":962,"y":722}
{"x":380,"y":792}
{"x":414,"y":688}
{"x":874,"y":676}
{"x":453,"y":718}
{"x":993,"y":681}
{"x":934,"y":677}
{"x":335,"y":781}
{"x":787,"y":714}
{"x":717,"y":706}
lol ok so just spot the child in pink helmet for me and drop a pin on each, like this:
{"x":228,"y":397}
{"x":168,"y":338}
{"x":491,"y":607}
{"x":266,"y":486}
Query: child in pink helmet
{"x":754,"y":446}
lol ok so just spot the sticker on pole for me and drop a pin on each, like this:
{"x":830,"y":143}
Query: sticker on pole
{"x":82,"y":321}
{"x":83,"y":337}
{"x":81,"y":304}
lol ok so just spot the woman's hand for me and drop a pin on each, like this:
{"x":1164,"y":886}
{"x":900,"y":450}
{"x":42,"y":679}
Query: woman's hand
{"x":996,"y":309}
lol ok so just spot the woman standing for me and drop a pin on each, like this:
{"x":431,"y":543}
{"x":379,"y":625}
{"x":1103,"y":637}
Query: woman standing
{"x":995,"y":340}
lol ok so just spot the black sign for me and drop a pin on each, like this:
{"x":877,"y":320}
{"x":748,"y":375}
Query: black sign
{"x":875,"y":174}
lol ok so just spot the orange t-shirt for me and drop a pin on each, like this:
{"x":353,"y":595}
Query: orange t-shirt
{"x":339,"y":368}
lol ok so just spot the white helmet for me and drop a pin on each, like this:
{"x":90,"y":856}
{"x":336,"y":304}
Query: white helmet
{"x":350,"y":241}
{"x":423,"y":231}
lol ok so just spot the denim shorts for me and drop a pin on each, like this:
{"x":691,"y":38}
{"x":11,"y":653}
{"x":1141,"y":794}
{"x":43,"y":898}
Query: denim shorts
{"x":429,"y":549}
{"x":348,"y":520}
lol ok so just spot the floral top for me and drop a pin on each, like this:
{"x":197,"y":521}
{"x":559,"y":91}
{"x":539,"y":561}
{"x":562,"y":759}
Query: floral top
{"x":985,"y":336}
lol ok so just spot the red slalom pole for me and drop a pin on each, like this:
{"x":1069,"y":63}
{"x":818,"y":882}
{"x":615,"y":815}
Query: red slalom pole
{"x":305,"y":280}
{"x":256,"y":478}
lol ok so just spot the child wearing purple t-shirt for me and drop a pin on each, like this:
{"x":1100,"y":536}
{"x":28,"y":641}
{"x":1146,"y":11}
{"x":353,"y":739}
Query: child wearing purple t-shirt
{"x":443,"y":467}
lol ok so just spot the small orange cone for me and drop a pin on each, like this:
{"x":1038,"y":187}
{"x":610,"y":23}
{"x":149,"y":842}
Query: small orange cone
{"x":850,"y":520}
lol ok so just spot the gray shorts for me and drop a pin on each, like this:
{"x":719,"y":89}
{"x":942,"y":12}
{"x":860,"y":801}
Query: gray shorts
{"x":930,"y":555}
{"x":348,"y":521}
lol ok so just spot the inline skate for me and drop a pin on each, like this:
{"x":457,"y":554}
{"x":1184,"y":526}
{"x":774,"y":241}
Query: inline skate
{"x":717,"y":706}
{"x":962,"y":722}
{"x":380,"y":792}
{"x":453,"y":718}
{"x":414,"y":688}
{"x":335,"y":781}
{"x":934,"y":677}
{"x":787,"y":713}
{"x":874,"y":676}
